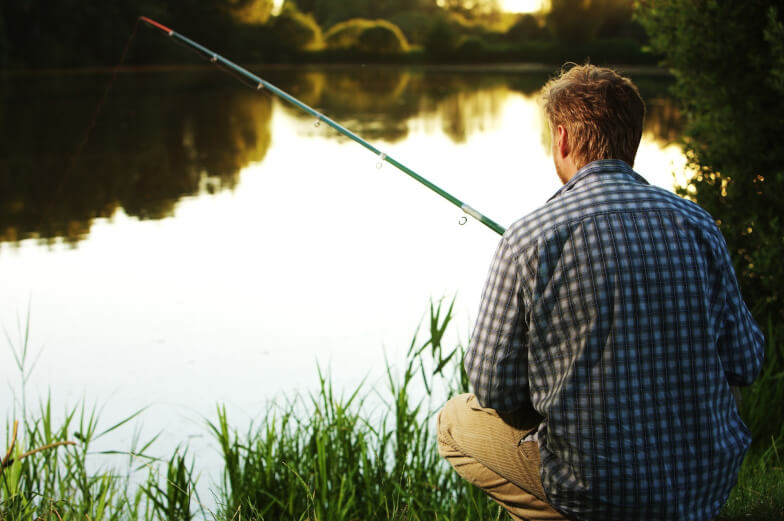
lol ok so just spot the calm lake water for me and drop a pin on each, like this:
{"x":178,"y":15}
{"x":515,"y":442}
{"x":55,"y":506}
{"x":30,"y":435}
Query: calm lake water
{"x":209,"y":244}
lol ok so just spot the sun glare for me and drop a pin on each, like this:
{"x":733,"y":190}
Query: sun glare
{"x":522,"y":6}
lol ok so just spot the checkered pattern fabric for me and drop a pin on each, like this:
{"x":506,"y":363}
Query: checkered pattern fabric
{"x":614,"y":309}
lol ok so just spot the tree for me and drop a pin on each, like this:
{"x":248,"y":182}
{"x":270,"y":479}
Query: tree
{"x":330,"y":12}
{"x":470,"y":8}
{"x":575,"y":21}
{"x":251,"y":11}
{"x":382,"y":38}
{"x":72,"y":33}
{"x":441,"y":39}
{"x":3,"y":41}
{"x":527,"y":28}
{"x":292,"y":30}
{"x":367,"y":36}
{"x":728,"y":61}
{"x":618,"y":22}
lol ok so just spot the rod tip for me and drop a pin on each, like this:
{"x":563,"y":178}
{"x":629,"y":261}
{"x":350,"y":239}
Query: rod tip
{"x":160,"y":26}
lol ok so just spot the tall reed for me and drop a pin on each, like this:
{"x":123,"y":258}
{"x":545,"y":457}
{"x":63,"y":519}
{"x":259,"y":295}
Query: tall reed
{"x":331,"y":457}
{"x":56,"y":483}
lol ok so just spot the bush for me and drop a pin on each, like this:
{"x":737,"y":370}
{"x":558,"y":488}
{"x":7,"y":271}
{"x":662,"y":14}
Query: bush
{"x":382,"y":38}
{"x":574,"y":21}
{"x":414,"y":24}
{"x":367,"y":36}
{"x":730,"y":87}
{"x":344,"y":35}
{"x":527,"y":28}
{"x":617,"y":21}
{"x":472,"y":48}
{"x":442,"y":38}
{"x":292,"y":30}
{"x":250,"y":11}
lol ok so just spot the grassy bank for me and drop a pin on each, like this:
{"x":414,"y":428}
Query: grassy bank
{"x":369,"y":455}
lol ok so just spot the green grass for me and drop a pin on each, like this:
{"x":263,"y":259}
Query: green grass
{"x":56,"y":483}
{"x":759,"y":493}
{"x":334,"y":458}
{"x":367,"y":455}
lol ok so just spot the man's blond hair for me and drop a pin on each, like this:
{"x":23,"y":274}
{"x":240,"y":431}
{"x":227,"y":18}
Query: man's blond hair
{"x":601,"y":110}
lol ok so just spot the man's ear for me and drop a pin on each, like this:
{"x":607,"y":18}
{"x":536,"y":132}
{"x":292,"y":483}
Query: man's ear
{"x":562,"y":140}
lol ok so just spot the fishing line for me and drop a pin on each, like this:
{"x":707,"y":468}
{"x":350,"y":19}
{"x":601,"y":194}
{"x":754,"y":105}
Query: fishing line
{"x":102,"y":101}
{"x":258,"y":83}
{"x":90,"y":126}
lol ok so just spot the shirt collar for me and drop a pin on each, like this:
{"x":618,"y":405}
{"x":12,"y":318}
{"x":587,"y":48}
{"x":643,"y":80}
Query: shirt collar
{"x":600,"y":167}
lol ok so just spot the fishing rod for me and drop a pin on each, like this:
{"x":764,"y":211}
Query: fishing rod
{"x":261,"y":84}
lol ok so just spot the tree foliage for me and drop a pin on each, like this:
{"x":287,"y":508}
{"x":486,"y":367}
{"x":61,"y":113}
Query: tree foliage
{"x":382,"y":37}
{"x":330,"y":12}
{"x":344,"y":35}
{"x":75,"y":33}
{"x":251,"y":11}
{"x":575,"y":22}
{"x":527,"y":28}
{"x":366,"y":36}
{"x":728,"y":60}
{"x":442,"y":38}
{"x":414,"y":24}
{"x":292,"y":30}
{"x":68,"y":33}
{"x":471,"y":8}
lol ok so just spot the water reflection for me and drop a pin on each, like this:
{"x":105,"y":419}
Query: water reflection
{"x":158,"y":138}
{"x":379,"y":102}
{"x":165,"y":135}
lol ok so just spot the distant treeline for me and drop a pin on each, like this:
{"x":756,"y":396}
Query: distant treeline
{"x":78,"y":33}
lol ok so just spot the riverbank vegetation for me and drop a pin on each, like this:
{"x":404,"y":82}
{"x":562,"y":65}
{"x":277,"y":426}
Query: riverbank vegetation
{"x":326,"y":456}
{"x":74,"y":33}
{"x":730,"y":94}
{"x":365,"y":454}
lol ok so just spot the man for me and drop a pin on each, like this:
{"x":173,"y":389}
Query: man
{"x":610,"y":330}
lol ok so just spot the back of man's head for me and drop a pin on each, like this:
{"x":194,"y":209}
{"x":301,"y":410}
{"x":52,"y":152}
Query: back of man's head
{"x":601,"y":110}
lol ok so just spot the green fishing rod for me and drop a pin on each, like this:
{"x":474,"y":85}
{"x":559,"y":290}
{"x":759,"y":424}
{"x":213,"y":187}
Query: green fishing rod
{"x":261,"y":84}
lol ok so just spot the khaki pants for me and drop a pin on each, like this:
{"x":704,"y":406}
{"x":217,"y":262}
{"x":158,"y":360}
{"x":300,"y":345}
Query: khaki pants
{"x":485,"y":449}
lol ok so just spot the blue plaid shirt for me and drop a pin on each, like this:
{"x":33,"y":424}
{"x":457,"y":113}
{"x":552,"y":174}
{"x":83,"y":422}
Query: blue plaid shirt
{"x":614,"y":310}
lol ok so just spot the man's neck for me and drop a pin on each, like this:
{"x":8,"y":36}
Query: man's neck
{"x":566,"y":169}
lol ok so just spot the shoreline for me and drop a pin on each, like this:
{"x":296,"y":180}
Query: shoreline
{"x":500,"y":67}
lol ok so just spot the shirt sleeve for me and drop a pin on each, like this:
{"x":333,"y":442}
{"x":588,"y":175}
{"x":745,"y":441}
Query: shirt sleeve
{"x":497,"y":358}
{"x":741,"y":344}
